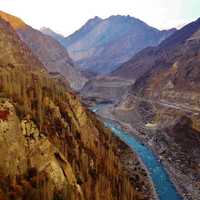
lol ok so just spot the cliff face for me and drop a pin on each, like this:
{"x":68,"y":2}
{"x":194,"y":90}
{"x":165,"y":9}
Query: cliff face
{"x":101,"y":46}
{"x":53,"y":56}
{"x":52,"y":147}
{"x":29,"y":160}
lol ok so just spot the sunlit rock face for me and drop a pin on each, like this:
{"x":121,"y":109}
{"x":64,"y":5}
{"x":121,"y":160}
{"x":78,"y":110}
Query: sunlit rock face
{"x":163,"y":104}
{"x":52,"y":147}
{"x":101,"y":45}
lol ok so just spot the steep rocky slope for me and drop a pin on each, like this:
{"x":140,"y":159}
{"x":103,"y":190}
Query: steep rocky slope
{"x":102,"y":45}
{"x":52,"y":147}
{"x":53,"y":55}
{"x":163,"y":104}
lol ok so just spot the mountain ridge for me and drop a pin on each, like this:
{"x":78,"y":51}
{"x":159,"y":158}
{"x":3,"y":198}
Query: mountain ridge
{"x":143,"y":61}
{"x":101,"y":45}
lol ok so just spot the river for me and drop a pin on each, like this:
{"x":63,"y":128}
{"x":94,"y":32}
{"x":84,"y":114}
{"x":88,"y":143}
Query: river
{"x":163,"y":186}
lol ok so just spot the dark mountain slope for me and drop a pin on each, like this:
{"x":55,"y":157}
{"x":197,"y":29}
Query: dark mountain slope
{"x":177,"y":59}
{"x":182,"y":35}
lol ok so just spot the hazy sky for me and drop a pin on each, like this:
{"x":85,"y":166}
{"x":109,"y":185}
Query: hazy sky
{"x":66,"y":16}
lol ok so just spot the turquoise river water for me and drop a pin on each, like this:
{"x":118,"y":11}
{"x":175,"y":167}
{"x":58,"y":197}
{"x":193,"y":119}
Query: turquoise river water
{"x":163,"y":186}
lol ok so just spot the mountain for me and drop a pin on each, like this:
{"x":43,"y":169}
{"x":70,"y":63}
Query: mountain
{"x":106,"y":89}
{"x":52,"y":147}
{"x":53,"y":55}
{"x":53,"y":34}
{"x":101,"y":45}
{"x":173,"y":71}
{"x":163,"y":104}
{"x":173,"y":51}
{"x":83,"y":31}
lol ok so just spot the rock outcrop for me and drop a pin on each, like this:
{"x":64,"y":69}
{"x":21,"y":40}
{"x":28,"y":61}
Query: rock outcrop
{"x":23,"y":147}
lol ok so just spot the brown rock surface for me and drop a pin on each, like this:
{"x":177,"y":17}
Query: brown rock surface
{"x":61,"y":151}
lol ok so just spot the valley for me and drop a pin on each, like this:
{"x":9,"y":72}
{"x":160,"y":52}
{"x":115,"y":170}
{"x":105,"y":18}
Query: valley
{"x":163,"y":186}
{"x":108,"y":112}
{"x":161,"y":107}
{"x":52,"y":146}
{"x":154,"y":138}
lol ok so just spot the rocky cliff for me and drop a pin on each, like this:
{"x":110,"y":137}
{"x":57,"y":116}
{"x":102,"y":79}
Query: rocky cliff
{"x":53,"y":56}
{"x":52,"y":147}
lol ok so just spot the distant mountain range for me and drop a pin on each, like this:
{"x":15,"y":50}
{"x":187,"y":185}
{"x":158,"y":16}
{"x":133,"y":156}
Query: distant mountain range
{"x":49,"y":51}
{"x":101,"y":45}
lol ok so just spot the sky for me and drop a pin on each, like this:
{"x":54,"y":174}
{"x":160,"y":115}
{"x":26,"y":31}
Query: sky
{"x":66,"y":16}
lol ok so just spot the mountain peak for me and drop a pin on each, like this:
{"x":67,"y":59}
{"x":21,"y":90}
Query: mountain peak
{"x":97,"y":18}
{"x":110,"y":42}
{"x":15,"y":22}
{"x":121,"y":16}
{"x":93,"y":21}
{"x":127,"y":18}
{"x":49,"y":31}
{"x":43,"y":28}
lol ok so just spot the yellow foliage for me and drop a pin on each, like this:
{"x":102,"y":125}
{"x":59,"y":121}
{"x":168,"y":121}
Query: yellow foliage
{"x":15,"y":22}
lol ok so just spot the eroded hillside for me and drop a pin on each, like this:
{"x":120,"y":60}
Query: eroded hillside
{"x":52,"y":147}
{"x":163,"y":104}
